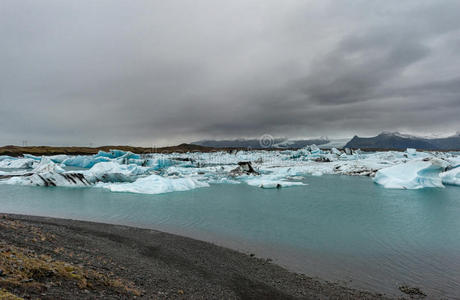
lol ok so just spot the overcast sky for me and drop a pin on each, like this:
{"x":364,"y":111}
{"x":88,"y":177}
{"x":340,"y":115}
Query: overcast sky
{"x":159,"y":72}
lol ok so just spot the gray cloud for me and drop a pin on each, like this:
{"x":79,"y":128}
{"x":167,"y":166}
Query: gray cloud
{"x":163,"y":72}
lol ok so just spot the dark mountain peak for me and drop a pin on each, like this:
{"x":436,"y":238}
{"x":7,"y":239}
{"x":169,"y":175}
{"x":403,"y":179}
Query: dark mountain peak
{"x":399,"y":141}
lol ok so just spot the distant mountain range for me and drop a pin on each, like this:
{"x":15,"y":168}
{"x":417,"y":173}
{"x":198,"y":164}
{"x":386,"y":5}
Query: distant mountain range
{"x":270,"y":143}
{"x":396,"y":140}
{"x":385,"y":140}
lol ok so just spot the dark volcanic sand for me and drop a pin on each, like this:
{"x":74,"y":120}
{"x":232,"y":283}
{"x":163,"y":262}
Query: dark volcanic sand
{"x":152,"y":264}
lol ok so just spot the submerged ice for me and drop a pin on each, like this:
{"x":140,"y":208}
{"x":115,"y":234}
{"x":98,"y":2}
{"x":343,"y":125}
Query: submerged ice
{"x":156,"y":173}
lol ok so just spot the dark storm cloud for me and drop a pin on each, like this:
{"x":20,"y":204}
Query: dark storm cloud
{"x":163,"y":72}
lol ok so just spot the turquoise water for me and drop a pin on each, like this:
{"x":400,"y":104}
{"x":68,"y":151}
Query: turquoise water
{"x":337,"y":227}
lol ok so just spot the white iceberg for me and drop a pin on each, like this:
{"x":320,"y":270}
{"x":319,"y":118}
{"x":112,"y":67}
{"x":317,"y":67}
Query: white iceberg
{"x":415,"y":174}
{"x":18,"y":163}
{"x":272,"y":184}
{"x":451,"y":177}
{"x":46,"y":166}
{"x":277,"y":179}
{"x":155,"y":184}
{"x":113,"y":172}
{"x":47,"y":173}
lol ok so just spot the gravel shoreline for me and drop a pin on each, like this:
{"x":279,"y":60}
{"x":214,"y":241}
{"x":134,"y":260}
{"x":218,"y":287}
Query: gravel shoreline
{"x":51,"y":258}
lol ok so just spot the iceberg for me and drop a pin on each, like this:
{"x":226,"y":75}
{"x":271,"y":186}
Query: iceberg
{"x":451,"y":177}
{"x":117,"y":154}
{"x":272,"y":184}
{"x":336,"y":151}
{"x":58,"y":158}
{"x":47,"y":173}
{"x":4,"y":157}
{"x":34,"y":157}
{"x":415,"y":174}
{"x":113,"y":172}
{"x":84,"y":161}
{"x":18,"y":163}
{"x":155,"y":184}
{"x":274,"y":180}
{"x":411,"y":151}
{"x":46,"y":165}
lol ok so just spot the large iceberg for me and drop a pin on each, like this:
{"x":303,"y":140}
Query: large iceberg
{"x":155,"y":184}
{"x":114,"y":172}
{"x":47,"y":173}
{"x":415,"y":174}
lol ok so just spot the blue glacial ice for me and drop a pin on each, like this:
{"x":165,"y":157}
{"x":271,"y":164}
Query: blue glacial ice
{"x":82,"y":161}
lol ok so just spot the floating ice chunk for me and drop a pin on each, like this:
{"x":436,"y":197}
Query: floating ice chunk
{"x":18,"y":163}
{"x":47,"y":173}
{"x":336,"y":151}
{"x":272,"y":184}
{"x":451,"y":177}
{"x":275,"y":180}
{"x":128,"y":157}
{"x":50,"y":179}
{"x":46,"y":165}
{"x":411,"y":151}
{"x":414,"y":174}
{"x":84,"y":161}
{"x":244,"y":167}
{"x":163,"y":163}
{"x":113,"y":172}
{"x":58,"y":158}
{"x":113,"y":153}
{"x":155,"y":184}
{"x":314,"y":149}
{"x":34,"y":157}
{"x":223,"y":180}
{"x":104,"y":154}
{"x":454,"y":162}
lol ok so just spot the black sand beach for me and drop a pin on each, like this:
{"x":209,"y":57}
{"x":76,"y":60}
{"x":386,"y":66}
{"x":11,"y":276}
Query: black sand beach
{"x":50,"y":258}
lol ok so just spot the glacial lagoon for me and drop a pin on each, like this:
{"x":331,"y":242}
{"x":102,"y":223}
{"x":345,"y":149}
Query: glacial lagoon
{"x":350,"y":229}
{"x":368,"y":237}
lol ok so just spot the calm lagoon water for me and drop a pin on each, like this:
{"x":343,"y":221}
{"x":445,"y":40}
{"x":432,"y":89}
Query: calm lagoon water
{"x":337,"y":227}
